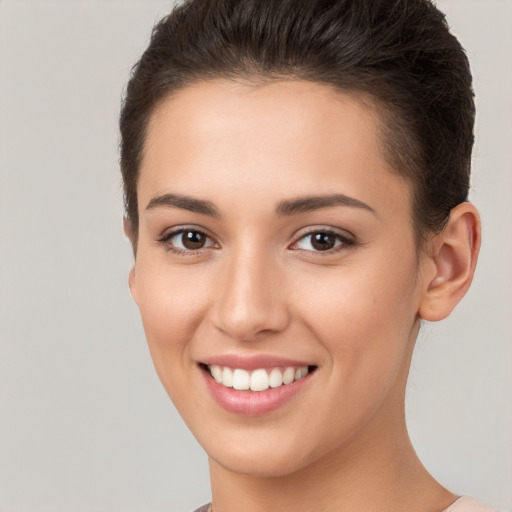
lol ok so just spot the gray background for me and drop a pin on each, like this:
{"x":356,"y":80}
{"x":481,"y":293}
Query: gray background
{"x":84,"y":422}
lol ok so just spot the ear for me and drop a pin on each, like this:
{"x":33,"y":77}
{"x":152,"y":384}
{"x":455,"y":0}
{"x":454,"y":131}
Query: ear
{"x":132,"y":283}
{"x":454,"y":253}
{"x":128,"y":232}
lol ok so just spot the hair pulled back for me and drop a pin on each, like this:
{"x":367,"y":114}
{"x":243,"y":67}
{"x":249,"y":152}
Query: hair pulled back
{"x":399,"y":53}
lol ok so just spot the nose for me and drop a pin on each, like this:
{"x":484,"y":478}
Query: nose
{"x":250,"y":299}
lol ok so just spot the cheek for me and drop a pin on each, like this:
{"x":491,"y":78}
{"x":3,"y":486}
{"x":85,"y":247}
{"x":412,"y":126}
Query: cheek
{"x":365,"y":318}
{"x":366,"y":325}
{"x":172,"y":303}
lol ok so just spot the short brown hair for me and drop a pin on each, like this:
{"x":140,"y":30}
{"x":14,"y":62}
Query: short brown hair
{"x":399,"y":52}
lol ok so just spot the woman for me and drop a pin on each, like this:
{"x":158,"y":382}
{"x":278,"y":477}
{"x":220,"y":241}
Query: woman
{"x":296,"y":176}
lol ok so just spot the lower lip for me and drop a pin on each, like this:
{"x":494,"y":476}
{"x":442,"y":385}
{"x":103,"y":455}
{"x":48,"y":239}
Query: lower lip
{"x":252,"y":403}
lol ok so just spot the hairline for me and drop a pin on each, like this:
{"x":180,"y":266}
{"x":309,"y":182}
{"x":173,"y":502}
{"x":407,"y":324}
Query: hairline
{"x":380,"y":110}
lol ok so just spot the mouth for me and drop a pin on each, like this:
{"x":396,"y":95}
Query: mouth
{"x":257,"y":389}
{"x":257,"y":380}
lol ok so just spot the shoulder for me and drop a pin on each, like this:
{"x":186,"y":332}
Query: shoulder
{"x":204,"y":508}
{"x":469,"y":504}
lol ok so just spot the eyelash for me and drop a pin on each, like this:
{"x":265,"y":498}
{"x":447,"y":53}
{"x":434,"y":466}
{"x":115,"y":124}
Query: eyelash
{"x":167,"y":237}
{"x":345,"y":241}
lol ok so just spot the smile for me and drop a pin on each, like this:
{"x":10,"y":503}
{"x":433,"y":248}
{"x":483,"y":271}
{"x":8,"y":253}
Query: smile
{"x":257,"y":380}
{"x":257,"y":385}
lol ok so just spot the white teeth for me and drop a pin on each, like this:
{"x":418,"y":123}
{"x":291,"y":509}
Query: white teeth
{"x":216,"y":373}
{"x":257,"y":380}
{"x":241,"y":379}
{"x":227,"y":377}
{"x":275,"y":378}
{"x":288,"y":375}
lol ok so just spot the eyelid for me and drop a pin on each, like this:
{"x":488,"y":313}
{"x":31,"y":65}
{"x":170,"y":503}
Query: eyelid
{"x":343,"y":233}
{"x":348,"y":239}
{"x":170,"y":233}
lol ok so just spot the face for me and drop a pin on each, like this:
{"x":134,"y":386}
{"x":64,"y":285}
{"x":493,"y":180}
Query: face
{"x":276,"y":272}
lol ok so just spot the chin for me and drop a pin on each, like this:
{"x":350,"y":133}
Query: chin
{"x":260,"y":458}
{"x":260,"y":466}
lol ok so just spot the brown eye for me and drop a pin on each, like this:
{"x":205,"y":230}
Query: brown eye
{"x":323,"y":241}
{"x":193,"y":240}
{"x":187,"y":240}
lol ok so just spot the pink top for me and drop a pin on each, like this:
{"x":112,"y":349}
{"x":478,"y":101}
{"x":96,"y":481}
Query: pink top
{"x":469,"y":504}
{"x":463,"y":504}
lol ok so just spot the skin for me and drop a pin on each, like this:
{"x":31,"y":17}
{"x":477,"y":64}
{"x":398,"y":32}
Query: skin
{"x":258,"y":286}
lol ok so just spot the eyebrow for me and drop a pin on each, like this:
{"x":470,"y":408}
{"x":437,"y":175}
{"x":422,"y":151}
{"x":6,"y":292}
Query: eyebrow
{"x":284,"y":208}
{"x":311,"y":203}
{"x":184,"y":202}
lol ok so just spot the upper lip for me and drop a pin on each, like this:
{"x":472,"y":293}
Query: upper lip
{"x":253,"y":362}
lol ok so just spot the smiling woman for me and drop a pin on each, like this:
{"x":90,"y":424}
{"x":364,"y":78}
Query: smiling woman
{"x":296,"y":176}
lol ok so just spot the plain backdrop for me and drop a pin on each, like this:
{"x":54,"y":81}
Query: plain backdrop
{"x":84,"y":422}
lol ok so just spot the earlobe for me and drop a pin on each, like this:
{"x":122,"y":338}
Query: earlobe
{"x":454,"y":253}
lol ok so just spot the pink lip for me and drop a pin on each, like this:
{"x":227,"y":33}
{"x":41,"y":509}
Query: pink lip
{"x":250,"y":363}
{"x":253,"y":403}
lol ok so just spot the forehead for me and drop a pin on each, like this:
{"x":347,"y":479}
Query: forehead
{"x":277,"y":138}
{"x":273,"y":112}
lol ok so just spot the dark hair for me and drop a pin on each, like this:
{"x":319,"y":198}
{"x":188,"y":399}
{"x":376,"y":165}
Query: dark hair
{"x":399,"y":53}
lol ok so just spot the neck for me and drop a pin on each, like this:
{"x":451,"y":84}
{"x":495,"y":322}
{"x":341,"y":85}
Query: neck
{"x":377,"y":471}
